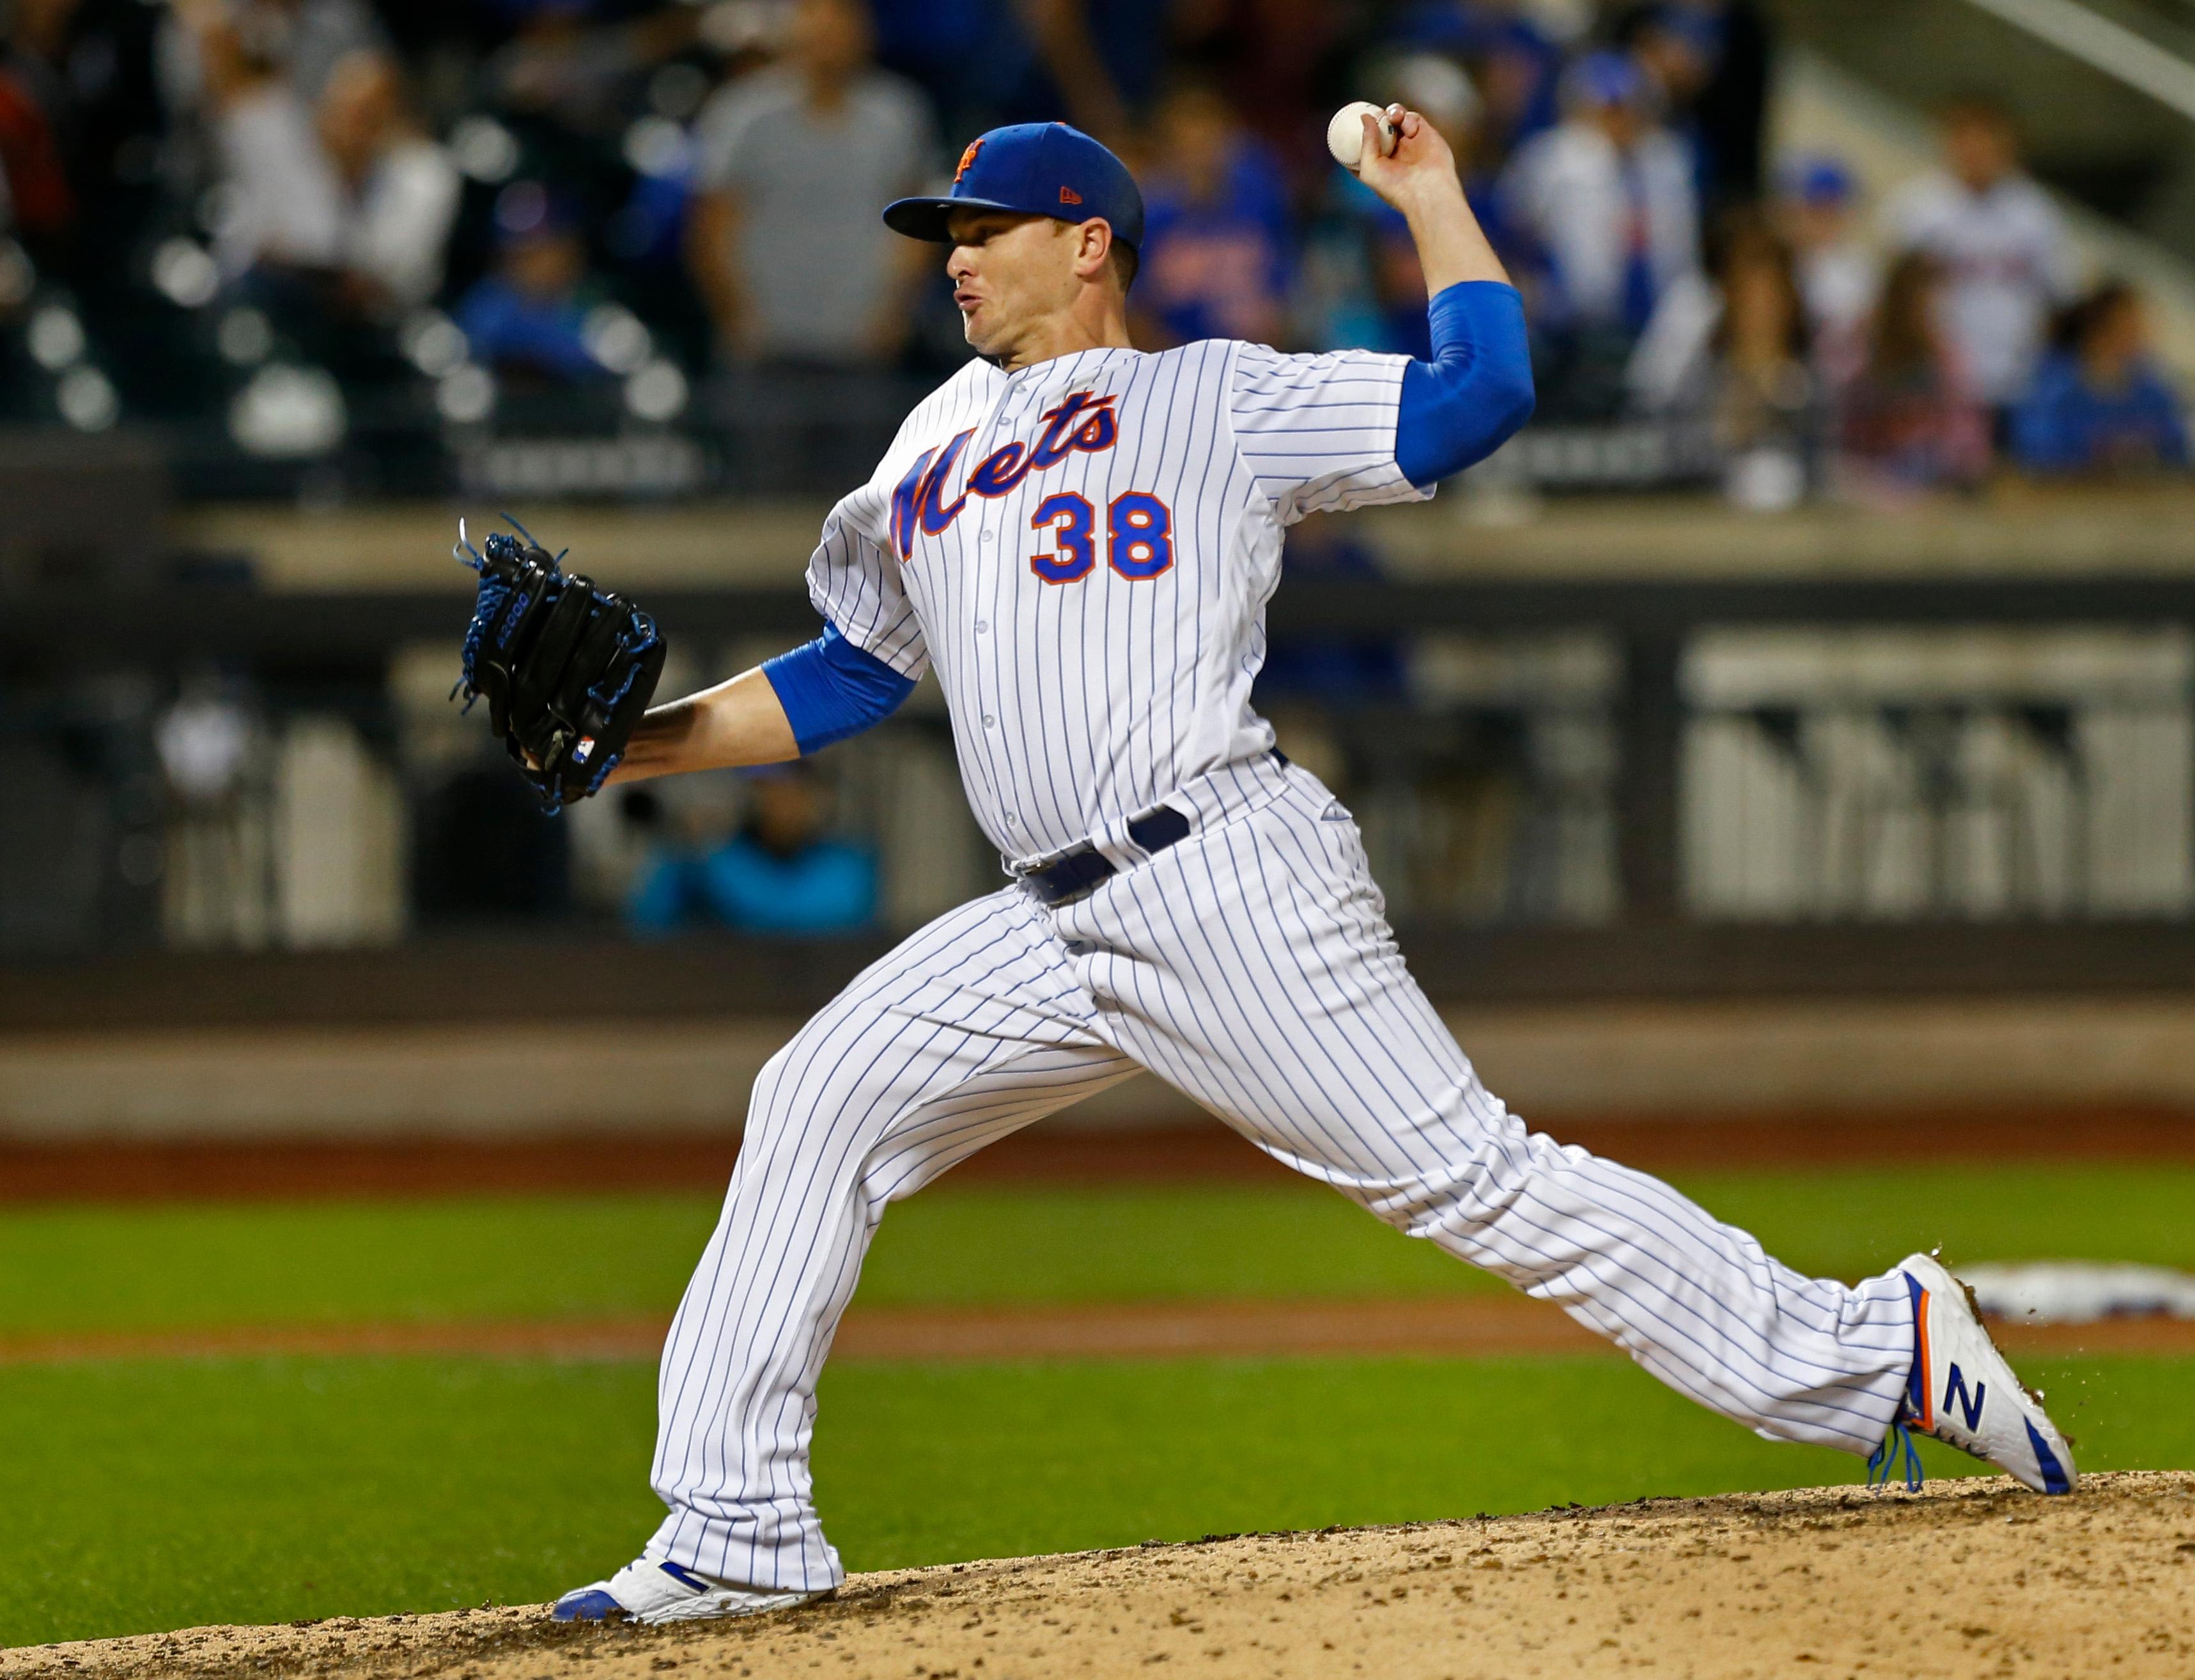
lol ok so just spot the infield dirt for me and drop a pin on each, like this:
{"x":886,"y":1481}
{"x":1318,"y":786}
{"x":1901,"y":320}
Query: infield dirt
{"x":1969,"y":1577}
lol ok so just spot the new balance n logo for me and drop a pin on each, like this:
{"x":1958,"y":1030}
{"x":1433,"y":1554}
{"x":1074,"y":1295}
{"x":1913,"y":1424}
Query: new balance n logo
{"x":1969,"y":1404}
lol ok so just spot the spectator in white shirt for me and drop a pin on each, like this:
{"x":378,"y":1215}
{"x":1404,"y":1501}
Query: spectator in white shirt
{"x":1838,"y":275}
{"x":1607,"y":198}
{"x":1999,"y":241}
{"x":401,"y":189}
{"x":283,"y":208}
{"x":785,"y":242}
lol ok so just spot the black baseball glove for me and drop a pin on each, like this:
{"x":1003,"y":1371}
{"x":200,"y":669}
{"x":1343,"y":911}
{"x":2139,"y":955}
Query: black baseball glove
{"x":568,"y":668}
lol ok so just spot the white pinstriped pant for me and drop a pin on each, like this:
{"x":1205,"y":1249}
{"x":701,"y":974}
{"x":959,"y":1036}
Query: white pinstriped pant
{"x":1250,"y":966}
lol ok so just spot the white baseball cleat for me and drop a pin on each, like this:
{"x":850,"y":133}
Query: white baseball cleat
{"x":651,"y":1591}
{"x":1963,"y":1393}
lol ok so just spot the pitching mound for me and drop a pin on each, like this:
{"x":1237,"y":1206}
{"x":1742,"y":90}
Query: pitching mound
{"x":1968,"y":1578}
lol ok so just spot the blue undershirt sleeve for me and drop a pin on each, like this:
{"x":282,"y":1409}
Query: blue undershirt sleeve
{"x":1477,"y":391}
{"x":830,"y":689}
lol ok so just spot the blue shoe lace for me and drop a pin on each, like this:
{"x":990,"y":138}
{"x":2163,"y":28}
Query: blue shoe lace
{"x":1883,"y":1463}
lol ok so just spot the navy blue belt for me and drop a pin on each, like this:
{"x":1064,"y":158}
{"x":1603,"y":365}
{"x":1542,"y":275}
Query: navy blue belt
{"x":1079,"y":870}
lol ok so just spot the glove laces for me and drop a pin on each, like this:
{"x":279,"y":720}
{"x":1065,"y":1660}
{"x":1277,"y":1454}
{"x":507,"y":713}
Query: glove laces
{"x":496,"y":593}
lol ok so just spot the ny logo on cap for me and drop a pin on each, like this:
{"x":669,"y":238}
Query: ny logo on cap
{"x":967,"y":158}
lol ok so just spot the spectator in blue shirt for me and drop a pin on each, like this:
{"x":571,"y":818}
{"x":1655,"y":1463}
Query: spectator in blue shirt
{"x":2100,"y":407}
{"x":1215,"y":254}
{"x":778,"y":874}
{"x":528,"y":317}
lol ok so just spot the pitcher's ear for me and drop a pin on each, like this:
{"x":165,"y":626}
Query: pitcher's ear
{"x":1093,"y":246}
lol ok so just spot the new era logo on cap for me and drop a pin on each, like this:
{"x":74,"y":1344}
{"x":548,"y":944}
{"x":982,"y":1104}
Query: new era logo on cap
{"x":1067,"y":195}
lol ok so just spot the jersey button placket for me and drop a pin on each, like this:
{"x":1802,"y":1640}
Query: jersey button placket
{"x":986,"y":587}
{"x":988,"y":582}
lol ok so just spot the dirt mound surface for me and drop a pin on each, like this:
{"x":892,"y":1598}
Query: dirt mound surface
{"x":1966,"y":1578}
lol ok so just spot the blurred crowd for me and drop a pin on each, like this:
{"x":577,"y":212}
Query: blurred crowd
{"x":315,"y":216}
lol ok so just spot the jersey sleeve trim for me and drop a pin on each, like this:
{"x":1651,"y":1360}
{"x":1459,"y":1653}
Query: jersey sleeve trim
{"x":830,"y":689}
{"x":1476,"y":393}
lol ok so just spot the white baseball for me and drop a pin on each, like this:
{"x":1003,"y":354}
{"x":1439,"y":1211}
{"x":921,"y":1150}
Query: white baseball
{"x":1345,"y":135}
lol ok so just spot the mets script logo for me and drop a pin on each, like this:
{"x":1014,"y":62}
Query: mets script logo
{"x":966,"y":159}
{"x":1081,"y":421}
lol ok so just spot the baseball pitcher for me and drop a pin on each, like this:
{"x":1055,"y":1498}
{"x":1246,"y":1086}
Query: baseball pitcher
{"x":1079,"y":539}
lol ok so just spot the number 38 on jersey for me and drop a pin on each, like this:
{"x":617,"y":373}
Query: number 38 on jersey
{"x":1137,"y":528}
{"x":1138,"y":537}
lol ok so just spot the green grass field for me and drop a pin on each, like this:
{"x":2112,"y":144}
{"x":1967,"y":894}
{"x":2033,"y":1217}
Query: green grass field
{"x":127,"y":1267}
{"x":145,"y":1494}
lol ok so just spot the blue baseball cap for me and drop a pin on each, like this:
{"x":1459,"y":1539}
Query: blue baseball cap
{"x":1820,"y":180}
{"x":1033,"y":168}
{"x":1606,"y":77}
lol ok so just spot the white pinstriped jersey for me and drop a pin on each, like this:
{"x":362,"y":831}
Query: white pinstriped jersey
{"x":1082,"y":550}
